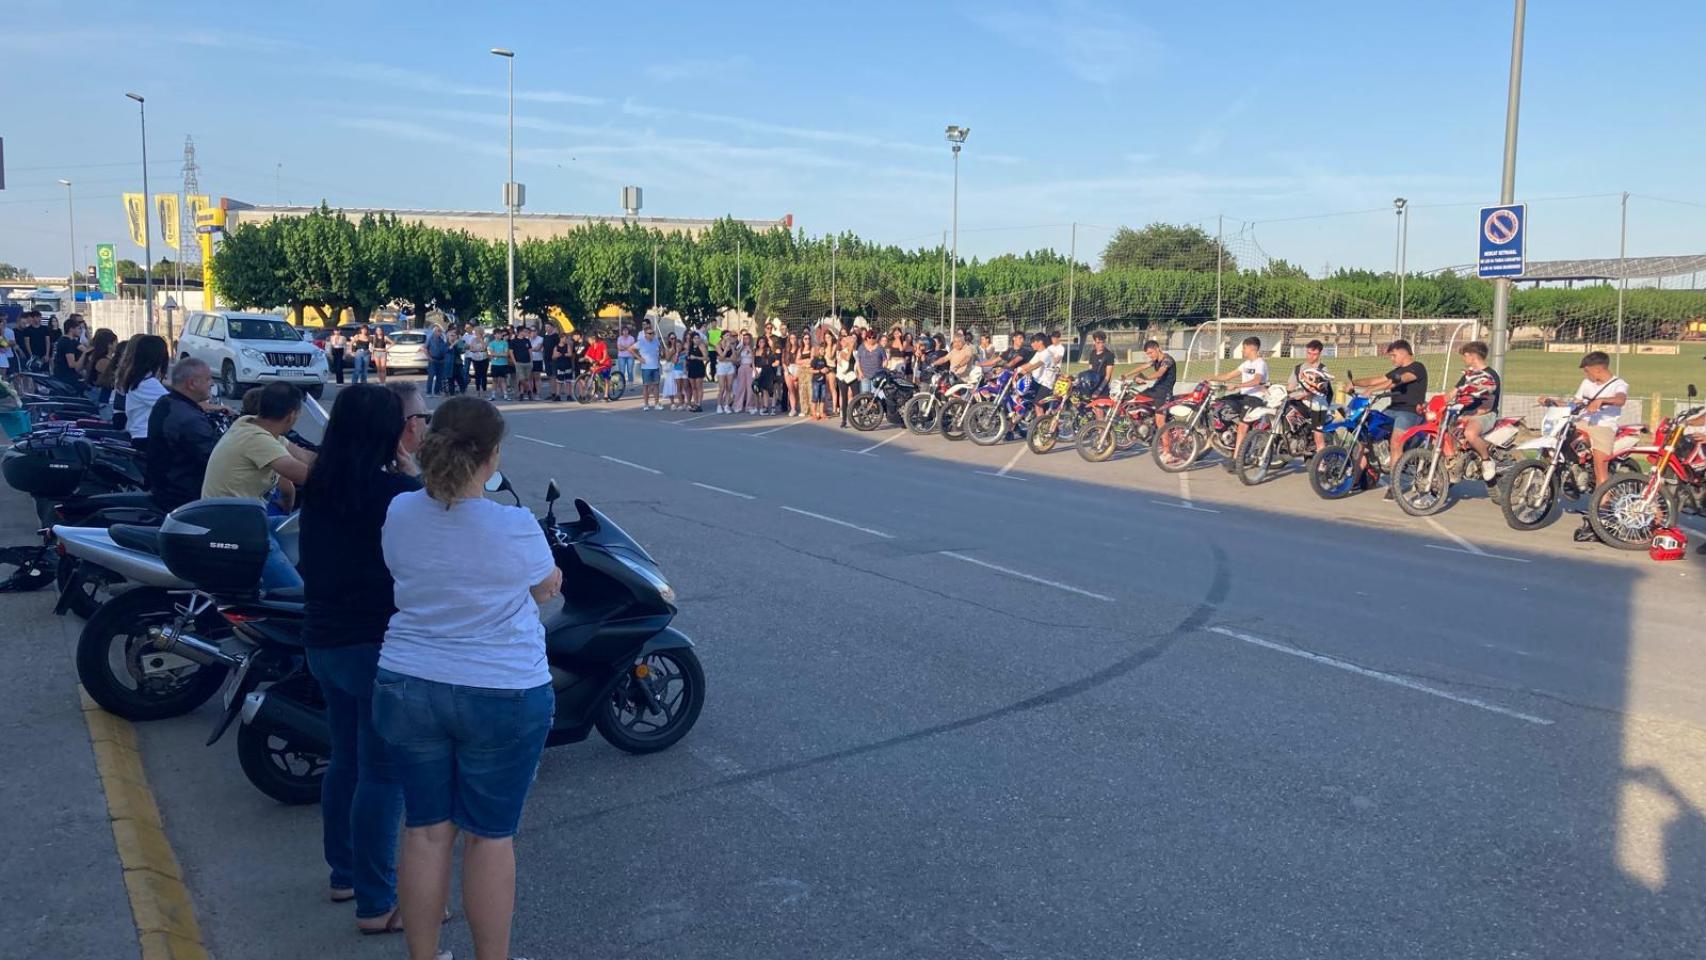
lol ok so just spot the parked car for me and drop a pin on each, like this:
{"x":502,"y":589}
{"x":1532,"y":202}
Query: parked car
{"x":249,"y":349}
{"x":407,"y":353}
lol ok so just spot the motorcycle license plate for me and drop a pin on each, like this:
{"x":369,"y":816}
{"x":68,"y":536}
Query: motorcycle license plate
{"x":234,"y":683}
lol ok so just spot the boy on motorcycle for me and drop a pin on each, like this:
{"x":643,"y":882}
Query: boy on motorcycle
{"x":1604,"y":396}
{"x":1159,"y":373}
{"x":1312,"y":386}
{"x":1478,"y":394}
{"x":1250,"y":377}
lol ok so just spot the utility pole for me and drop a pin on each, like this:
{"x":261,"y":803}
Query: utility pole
{"x":942,"y":290}
{"x":1219,"y":262}
{"x":740,"y":301}
{"x":1071,"y":283}
{"x":1507,"y":185}
{"x":147,"y":230}
{"x":833,"y":307}
{"x":71,"y":221}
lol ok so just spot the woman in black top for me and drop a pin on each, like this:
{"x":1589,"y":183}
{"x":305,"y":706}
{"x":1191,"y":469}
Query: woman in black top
{"x":68,"y":351}
{"x":697,"y":361}
{"x":362,"y":465}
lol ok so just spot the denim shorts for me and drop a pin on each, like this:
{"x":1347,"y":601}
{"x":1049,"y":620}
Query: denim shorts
{"x":465,"y":754}
{"x":649,"y":374}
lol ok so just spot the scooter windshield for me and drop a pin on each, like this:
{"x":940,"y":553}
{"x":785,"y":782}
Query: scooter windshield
{"x":606,"y":533}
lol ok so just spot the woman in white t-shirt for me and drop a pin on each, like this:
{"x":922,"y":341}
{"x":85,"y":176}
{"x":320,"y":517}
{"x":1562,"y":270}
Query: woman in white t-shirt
{"x":141,"y":377}
{"x":463,"y":691}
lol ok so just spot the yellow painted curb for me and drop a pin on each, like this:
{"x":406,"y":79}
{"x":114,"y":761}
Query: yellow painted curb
{"x":166,"y":927}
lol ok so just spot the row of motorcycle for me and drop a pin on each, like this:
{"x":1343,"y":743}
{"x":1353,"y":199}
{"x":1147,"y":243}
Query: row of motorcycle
{"x":1536,"y":472}
{"x":186,"y":606}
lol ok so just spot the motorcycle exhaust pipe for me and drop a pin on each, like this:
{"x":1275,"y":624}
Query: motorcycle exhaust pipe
{"x":305,"y":726}
{"x":192,"y":648}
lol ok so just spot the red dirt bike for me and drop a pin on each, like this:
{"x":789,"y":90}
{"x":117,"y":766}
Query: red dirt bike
{"x":1124,"y":421}
{"x":1199,"y":420}
{"x":1626,"y":509}
{"x":1422,"y":477}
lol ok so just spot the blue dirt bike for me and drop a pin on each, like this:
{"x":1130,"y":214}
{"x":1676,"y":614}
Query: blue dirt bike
{"x":988,"y":420}
{"x":1359,"y":447}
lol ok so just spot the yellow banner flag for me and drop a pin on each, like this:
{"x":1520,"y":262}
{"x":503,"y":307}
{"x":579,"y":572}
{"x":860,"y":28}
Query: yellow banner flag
{"x":166,"y":208}
{"x":135,"y":208}
{"x":200,"y":209}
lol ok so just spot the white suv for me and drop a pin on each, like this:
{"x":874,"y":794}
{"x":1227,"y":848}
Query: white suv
{"x":248,"y":349}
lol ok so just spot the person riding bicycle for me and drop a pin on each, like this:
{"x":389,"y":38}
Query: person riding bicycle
{"x":1312,"y":386}
{"x":1477,"y":395}
{"x":1249,"y":377}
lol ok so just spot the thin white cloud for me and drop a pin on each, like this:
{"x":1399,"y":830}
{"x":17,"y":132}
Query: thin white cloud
{"x":1098,"y":44}
{"x":428,"y":83}
{"x":696,"y":68}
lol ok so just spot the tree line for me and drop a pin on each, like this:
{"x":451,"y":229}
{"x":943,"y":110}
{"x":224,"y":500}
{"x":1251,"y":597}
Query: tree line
{"x":1157,"y":275}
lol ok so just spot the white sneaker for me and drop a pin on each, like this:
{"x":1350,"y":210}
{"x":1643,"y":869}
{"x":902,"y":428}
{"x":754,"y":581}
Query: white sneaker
{"x":753,"y":412}
{"x":1489,"y":470}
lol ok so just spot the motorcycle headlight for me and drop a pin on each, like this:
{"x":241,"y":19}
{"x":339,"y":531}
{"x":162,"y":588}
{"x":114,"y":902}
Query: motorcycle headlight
{"x":646,"y":573}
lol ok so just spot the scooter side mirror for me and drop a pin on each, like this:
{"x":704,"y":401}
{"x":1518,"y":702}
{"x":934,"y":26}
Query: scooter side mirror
{"x":496,"y":482}
{"x":552,"y":494}
{"x":1692,"y":393}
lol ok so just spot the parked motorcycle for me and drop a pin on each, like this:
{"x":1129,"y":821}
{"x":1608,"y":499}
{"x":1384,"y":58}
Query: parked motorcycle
{"x":989,"y":419}
{"x":1626,"y":509}
{"x":889,"y":393}
{"x":1423,"y":476}
{"x":922,"y":413}
{"x":1200,"y":420}
{"x":74,"y":480}
{"x":954,"y":408}
{"x":1120,"y":425}
{"x":1532,"y":493}
{"x":1359,"y":440}
{"x":1062,"y":413}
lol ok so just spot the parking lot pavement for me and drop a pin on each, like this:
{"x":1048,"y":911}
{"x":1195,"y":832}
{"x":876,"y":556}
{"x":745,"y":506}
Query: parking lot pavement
{"x":968,"y":703}
{"x":60,"y":877}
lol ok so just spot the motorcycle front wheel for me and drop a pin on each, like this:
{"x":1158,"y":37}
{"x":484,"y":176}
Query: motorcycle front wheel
{"x":1176,"y":448}
{"x":1622,"y":515}
{"x":922,"y":414}
{"x":954,"y":418}
{"x":119,"y":667}
{"x":1043,"y":435}
{"x":866,"y":413}
{"x":1526,"y":499}
{"x":1332,"y":472}
{"x":986,"y":423}
{"x":1254,"y":461}
{"x":632,"y":721}
{"x":1421,"y":487}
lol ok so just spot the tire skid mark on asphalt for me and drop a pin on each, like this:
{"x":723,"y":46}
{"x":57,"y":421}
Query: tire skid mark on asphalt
{"x":1220,"y":587}
{"x":1382,"y":676}
{"x":767,"y":793}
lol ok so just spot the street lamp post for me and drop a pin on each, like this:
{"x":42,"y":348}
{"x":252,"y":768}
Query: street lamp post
{"x":71,"y":221}
{"x":511,"y":194}
{"x":956,"y":135}
{"x":147,"y":231}
{"x":1507,"y":185}
{"x":1401,"y":250}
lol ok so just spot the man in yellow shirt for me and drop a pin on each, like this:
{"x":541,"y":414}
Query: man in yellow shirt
{"x":252,"y":456}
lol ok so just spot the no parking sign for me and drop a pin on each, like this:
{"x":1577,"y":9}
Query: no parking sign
{"x":1503,"y":237}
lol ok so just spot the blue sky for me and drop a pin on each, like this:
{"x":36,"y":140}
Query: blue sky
{"x":1097,"y":112}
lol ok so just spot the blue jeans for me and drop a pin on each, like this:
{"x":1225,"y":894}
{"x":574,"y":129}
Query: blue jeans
{"x":467,"y":754}
{"x":361,"y":797}
{"x":626,"y":365}
{"x":434,"y":376}
{"x":1401,"y":420}
{"x":362,"y":359}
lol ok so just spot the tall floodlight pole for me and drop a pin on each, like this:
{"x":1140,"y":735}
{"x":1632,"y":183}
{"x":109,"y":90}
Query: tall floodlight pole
{"x":1507,"y":186}
{"x":942,"y":288}
{"x":834,"y":306}
{"x":656,"y":317}
{"x":511,"y":200}
{"x":1399,"y":206}
{"x":1219,"y":264}
{"x":956,"y":135}
{"x":1071,"y":283}
{"x":147,"y":231}
{"x":71,"y":221}
{"x":1622,"y":280}
{"x":740,"y":301}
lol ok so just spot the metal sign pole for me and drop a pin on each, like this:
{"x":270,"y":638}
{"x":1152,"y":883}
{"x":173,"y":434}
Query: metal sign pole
{"x":1507,"y":186}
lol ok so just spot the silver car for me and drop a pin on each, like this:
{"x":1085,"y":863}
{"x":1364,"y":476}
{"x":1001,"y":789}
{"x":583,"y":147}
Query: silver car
{"x":407,"y":353}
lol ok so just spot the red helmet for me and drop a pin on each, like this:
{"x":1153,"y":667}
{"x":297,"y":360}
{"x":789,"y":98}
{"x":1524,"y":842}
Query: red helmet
{"x":1669,"y":543}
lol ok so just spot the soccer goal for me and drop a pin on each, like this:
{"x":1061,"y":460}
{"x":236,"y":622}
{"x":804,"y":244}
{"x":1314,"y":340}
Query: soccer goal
{"x":1348,"y":344}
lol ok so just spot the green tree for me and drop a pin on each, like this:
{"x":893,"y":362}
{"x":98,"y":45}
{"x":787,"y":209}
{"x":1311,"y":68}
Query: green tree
{"x":1166,"y":246}
{"x":10,"y":272}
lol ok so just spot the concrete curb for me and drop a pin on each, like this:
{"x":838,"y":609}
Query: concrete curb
{"x":166,"y":927}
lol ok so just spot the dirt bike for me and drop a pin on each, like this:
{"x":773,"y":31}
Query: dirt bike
{"x":1120,"y":425}
{"x":1359,"y":447}
{"x":988,"y":420}
{"x":1201,"y":419}
{"x":1534,"y":490}
{"x":953,"y":421}
{"x":1280,"y":430}
{"x":1626,"y":509}
{"x":889,"y":393}
{"x":923,"y":413}
{"x":1423,"y":476}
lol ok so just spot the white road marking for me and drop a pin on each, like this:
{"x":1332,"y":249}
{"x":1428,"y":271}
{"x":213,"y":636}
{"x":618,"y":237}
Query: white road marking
{"x":791,"y":423}
{"x":1016,"y":456}
{"x":1069,"y":588}
{"x":1185,"y":487}
{"x":547,"y":443}
{"x":627,"y":463}
{"x":1391,"y":678}
{"x":1466,"y":545}
{"x":732,"y":493}
{"x":1002,"y":476}
{"x":839,"y":523}
{"x":699,"y":416}
{"x":1474,"y":553}
{"x":1184,"y":505}
{"x":898,"y":434}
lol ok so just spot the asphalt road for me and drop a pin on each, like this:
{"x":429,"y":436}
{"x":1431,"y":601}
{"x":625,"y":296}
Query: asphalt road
{"x":971,"y":702}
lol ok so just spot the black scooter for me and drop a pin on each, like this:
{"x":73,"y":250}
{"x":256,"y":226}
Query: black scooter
{"x":616,"y":663}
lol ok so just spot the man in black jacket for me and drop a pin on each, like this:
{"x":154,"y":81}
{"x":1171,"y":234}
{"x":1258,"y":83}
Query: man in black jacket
{"x":180,"y":436}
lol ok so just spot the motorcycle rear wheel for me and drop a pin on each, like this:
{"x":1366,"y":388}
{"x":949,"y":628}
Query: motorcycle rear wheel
{"x":1176,"y":448}
{"x":278,"y":767}
{"x":1527,"y":502}
{"x":866,"y":413}
{"x":116,"y":665}
{"x":626,"y":726}
{"x":986,"y":423}
{"x":1418,"y":494}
